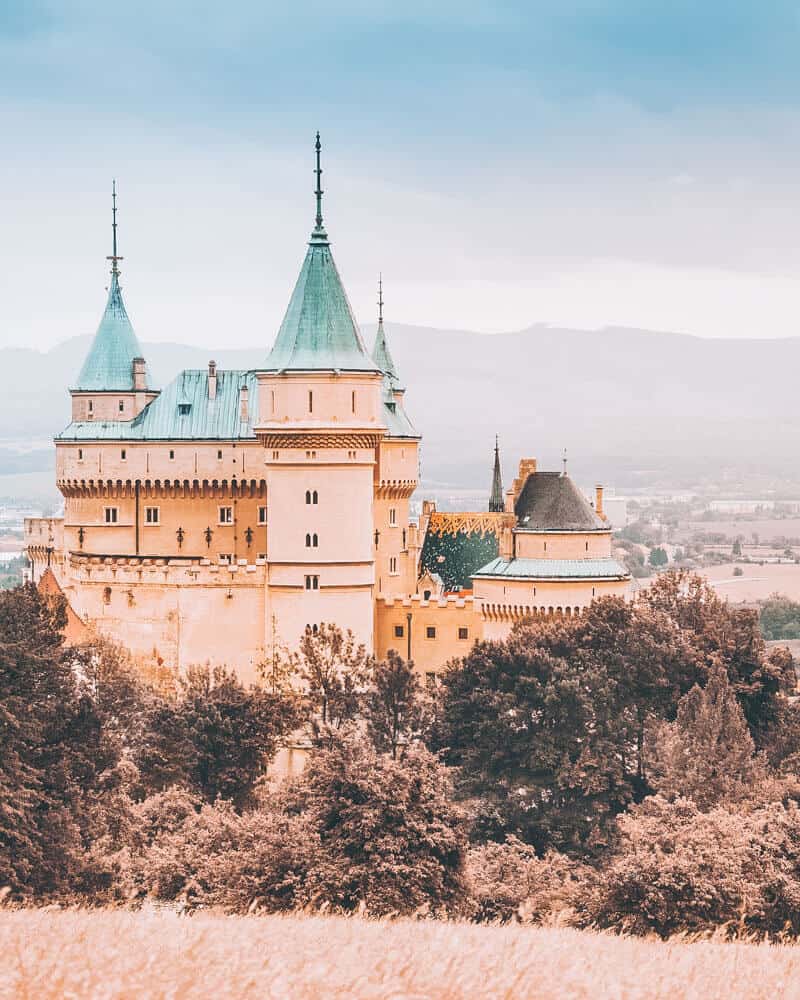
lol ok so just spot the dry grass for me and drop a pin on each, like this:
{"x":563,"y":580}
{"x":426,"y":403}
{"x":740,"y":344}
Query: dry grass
{"x":103,"y":955}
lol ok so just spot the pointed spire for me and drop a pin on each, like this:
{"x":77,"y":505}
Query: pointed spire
{"x":318,"y":235}
{"x":114,"y":258}
{"x":381,"y":354}
{"x":109,"y":363}
{"x":496,"y":503}
{"x":319,"y":331}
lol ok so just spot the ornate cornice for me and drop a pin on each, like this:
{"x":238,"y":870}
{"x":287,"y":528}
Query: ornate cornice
{"x":164,"y":488}
{"x":319,"y":439}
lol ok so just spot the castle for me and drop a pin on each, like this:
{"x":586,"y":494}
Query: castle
{"x":219,"y":518}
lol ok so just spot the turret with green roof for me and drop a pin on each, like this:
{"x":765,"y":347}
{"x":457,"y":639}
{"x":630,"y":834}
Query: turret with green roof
{"x":319,"y":331}
{"x":381,"y":354}
{"x":109,"y":365}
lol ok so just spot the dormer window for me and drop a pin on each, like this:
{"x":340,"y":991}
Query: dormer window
{"x":122,"y":406}
{"x":123,"y":455}
{"x":184,"y":409}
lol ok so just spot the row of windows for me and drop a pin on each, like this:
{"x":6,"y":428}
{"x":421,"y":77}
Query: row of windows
{"x":430,"y":632}
{"x":152,"y":515}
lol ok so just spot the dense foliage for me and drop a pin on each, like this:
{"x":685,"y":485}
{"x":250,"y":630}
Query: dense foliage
{"x":633,"y":768}
{"x":780,"y":618}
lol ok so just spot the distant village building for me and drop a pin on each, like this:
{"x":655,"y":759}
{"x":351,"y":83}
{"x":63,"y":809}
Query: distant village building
{"x":231,"y":511}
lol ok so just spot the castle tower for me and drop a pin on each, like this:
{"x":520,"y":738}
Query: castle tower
{"x":112,"y":384}
{"x":496,"y":501}
{"x":319,"y":419}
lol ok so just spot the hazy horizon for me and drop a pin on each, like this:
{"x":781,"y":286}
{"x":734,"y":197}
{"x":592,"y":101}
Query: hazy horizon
{"x":502,"y":164}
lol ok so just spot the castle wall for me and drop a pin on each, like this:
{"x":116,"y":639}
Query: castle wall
{"x":456,"y":624}
{"x":562,"y":545}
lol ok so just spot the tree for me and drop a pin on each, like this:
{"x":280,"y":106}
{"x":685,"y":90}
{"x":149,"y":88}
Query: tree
{"x":780,"y":618}
{"x":50,"y":748}
{"x":391,"y":838}
{"x":394,"y":705}
{"x":731,"y":637}
{"x":336,"y":671}
{"x":658,"y":556}
{"x":547,"y":728}
{"x":707,"y":753}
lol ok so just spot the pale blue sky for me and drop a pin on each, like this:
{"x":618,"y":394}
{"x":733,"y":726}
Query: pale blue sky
{"x":503,"y":163}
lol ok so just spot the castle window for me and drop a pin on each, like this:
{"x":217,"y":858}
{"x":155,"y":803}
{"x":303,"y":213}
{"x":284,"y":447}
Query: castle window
{"x":399,"y":631}
{"x":393,"y":565}
{"x":184,"y":409}
{"x":430,"y":632}
{"x":312,"y":583}
{"x":106,"y":595}
{"x":226,"y":515}
{"x":463,"y":633}
{"x":262,"y":515}
{"x":313,"y":629}
{"x":123,"y":455}
{"x":275,"y":454}
{"x":393,"y":516}
{"x":219,"y":454}
{"x":90,"y":404}
{"x":312,"y":496}
{"x":354,"y":401}
{"x":592,"y":591}
{"x":545,"y":546}
{"x":261,"y":555}
{"x":587,"y":546}
{"x":172,"y":454}
{"x":80,"y":454}
{"x":152,"y":515}
{"x":112,"y":515}
{"x":310,"y":402}
{"x":122,"y":406}
{"x":225,"y":558}
{"x":272,"y":400}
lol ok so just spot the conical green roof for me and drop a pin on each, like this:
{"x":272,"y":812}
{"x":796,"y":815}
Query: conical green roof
{"x":109,"y":364}
{"x":382,"y":357}
{"x":319,"y":331}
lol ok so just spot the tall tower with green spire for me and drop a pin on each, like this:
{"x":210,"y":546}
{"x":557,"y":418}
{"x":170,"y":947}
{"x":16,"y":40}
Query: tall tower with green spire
{"x":381,"y":354}
{"x":496,"y":503}
{"x":109,"y":365}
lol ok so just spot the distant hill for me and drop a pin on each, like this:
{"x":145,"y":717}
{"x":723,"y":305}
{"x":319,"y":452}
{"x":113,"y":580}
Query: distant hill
{"x":632,"y":407}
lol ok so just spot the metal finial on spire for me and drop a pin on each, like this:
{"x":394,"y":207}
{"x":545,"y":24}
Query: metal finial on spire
{"x":380,"y":299}
{"x":564,"y":460}
{"x":114,"y":258}
{"x":318,"y":192}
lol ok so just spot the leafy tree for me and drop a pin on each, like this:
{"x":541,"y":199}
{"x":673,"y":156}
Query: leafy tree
{"x":728,"y":636}
{"x":780,"y":618}
{"x":233,"y":731}
{"x":658,"y":556}
{"x":394,"y":705}
{"x":50,"y":748}
{"x":391,"y":838}
{"x":336,"y":672}
{"x":548,"y":727}
{"x":707,"y":753}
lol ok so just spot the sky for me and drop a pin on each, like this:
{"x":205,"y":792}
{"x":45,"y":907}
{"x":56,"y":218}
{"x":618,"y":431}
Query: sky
{"x":502,"y":164}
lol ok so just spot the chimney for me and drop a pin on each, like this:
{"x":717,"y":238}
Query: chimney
{"x":244,"y":403}
{"x":212,"y":379}
{"x":527,"y":467}
{"x":139,"y":375}
{"x":598,"y":502}
{"x":506,"y":546}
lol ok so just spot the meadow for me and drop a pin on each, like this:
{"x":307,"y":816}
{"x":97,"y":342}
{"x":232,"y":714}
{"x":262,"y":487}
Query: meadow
{"x":105,"y":955}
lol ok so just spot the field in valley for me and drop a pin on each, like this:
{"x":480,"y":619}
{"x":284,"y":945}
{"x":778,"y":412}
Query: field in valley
{"x":756,"y":582}
{"x":49,"y":954}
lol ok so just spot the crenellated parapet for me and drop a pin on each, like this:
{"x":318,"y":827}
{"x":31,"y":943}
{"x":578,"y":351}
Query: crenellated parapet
{"x":186,"y":571}
{"x":395,"y":489}
{"x":165,"y":488}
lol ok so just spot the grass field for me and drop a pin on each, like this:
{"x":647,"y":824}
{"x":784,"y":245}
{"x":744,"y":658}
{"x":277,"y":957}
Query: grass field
{"x":104,"y":955}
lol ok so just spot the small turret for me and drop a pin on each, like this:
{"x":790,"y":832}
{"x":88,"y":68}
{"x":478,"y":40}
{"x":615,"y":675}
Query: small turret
{"x":496,"y":501}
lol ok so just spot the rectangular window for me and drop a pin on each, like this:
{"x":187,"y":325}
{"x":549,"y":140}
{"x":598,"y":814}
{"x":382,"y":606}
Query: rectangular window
{"x":91,"y":406}
{"x":275,"y":455}
{"x":80,"y":454}
{"x":225,"y":558}
{"x":312,"y":583}
{"x":226,"y":515}
{"x":262,"y":515}
{"x":122,"y":406}
{"x":219,"y":454}
{"x":112,"y":515}
{"x":393,"y":565}
{"x":261,"y":555}
{"x":152,"y":515}
{"x":399,"y":631}
{"x":430,"y":632}
{"x":123,"y":455}
{"x":354,"y":401}
{"x":310,"y":402}
{"x":393,"y":516}
{"x":463,"y":633}
{"x":172,"y":454}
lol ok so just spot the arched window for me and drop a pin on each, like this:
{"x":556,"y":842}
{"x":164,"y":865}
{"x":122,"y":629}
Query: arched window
{"x":308,"y":541}
{"x":314,"y":541}
{"x":106,"y":595}
{"x":314,"y":497}
{"x":308,"y":496}
{"x":310,"y":402}
{"x":354,"y":401}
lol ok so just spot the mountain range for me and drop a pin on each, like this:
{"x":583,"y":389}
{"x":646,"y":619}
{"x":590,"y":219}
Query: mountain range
{"x":632,"y":408}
